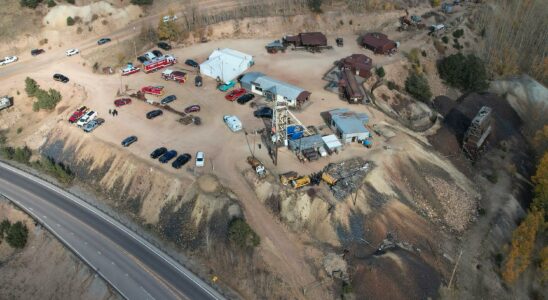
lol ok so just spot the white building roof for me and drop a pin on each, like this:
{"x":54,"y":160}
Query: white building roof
{"x":226,"y":64}
{"x":331,"y":141}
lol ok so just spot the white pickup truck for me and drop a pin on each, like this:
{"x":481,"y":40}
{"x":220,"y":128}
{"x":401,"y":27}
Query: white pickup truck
{"x":5,"y":102}
{"x":8,"y":60}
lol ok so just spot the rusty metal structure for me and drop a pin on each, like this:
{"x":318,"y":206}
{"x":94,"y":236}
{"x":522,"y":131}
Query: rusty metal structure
{"x":474,"y":140}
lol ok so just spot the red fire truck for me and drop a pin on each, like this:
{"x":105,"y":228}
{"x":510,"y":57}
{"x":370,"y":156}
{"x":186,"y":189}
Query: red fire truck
{"x":159,"y":63}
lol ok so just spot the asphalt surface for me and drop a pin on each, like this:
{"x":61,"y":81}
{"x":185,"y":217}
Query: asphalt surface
{"x":134,"y":267}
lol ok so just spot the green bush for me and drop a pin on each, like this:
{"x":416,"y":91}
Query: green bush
{"x":241,"y":234}
{"x":417,"y":85}
{"x":467,"y":73}
{"x":445,"y":39}
{"x":458,"y":33}
{"x":51,"y":3}
{"x":4,"y":228}
{"x":30,"y":3}
{"x":55,"y":169}
{"x":17,"y":235}
{"x":71,"y":1}
{"x":315,"y":5}
{"x":142,"y":2}
{"x":46,"y":100}
{"x":22,"y":155}
{"x":380,"y":72}
{"x":7,"y":152}
{"x":31,"y":86}
{"x":392,"y":85}
{"x":70,"y":21}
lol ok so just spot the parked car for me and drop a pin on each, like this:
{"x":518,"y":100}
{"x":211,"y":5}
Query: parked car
{"x":103,"y":41}
{"x":76,"y":115}
{"x":168,"y":156}
{"x":192,"y":108}
{"x":226,"y":86}
{"x":129,"y":140}
{"x":233,"y":123}
{"x":89,"y":116}
{"x":122,"y":102}
{"x":164,"y":45}
{"x":60,"y":77}
{"x":71,"y":52}
{"x":8,"y":60}
{"x":142,"y":59}
{"x":200,"y":159}
{"x":158,"y":152}
{"x":35,"y":52}
{"x":169,"y":18}
{"x":198,"y":81}
{"x":192,"y":63}
{"x":168,"y":99}
{"x":158,"y":53}
{"x":91,"y":125}
{"x":181,"y":161}
{"x":264,"y":112}
{"x":154,"y":113}
{"x":245,"y":98}
{"x":235,"y":94}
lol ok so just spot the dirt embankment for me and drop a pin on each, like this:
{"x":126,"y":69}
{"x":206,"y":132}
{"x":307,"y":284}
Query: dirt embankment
{"x":190,"y":214}
{"x":45,"y":269}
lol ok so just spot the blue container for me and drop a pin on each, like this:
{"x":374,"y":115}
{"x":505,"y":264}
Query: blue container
{"x":295,"y":132}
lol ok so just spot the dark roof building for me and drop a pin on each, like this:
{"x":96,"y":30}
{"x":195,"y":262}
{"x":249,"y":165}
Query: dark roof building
{"x":306,"y":39}
{"x":359,"y":64}
{"x":378,"y":43}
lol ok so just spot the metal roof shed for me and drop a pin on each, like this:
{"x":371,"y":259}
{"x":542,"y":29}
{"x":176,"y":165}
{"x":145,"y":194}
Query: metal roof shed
{"x":307,"y":142}
{"x":332,"y":142}
{"x":226,"y":64}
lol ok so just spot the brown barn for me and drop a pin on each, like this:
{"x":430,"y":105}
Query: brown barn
{"x":378,"y":43}
{"x":306,"y":39}
{"x":360,"y":64}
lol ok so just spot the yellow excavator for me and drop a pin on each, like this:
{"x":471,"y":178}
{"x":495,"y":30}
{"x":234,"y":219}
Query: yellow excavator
{"x":286,"y":178}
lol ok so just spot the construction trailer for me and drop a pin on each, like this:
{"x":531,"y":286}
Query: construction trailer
{"x":379,"y":43}
{"x":310,"y":41}
{"x":313,"y":142}
{"x":348,"y":126}
{"x":274,"y":90}
{"x":349,"y":88}
{"x":476,"y":135}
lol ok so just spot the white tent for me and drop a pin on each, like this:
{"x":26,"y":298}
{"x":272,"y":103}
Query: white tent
{"x":226,"y":64}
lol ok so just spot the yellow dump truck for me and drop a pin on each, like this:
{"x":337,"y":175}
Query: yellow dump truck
{"x":286,"y":178}
{"x":300,"y":182}
{"x":328,"y":178}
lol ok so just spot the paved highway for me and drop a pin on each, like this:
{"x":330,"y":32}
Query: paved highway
{"x":134,"y":267}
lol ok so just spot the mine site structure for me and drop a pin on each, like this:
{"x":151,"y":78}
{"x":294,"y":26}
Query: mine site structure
{"x":308,"y":41}
{"x":474,"y":141}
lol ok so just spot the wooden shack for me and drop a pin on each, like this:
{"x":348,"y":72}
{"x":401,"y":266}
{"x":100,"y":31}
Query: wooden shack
{"x":378,"y":43}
